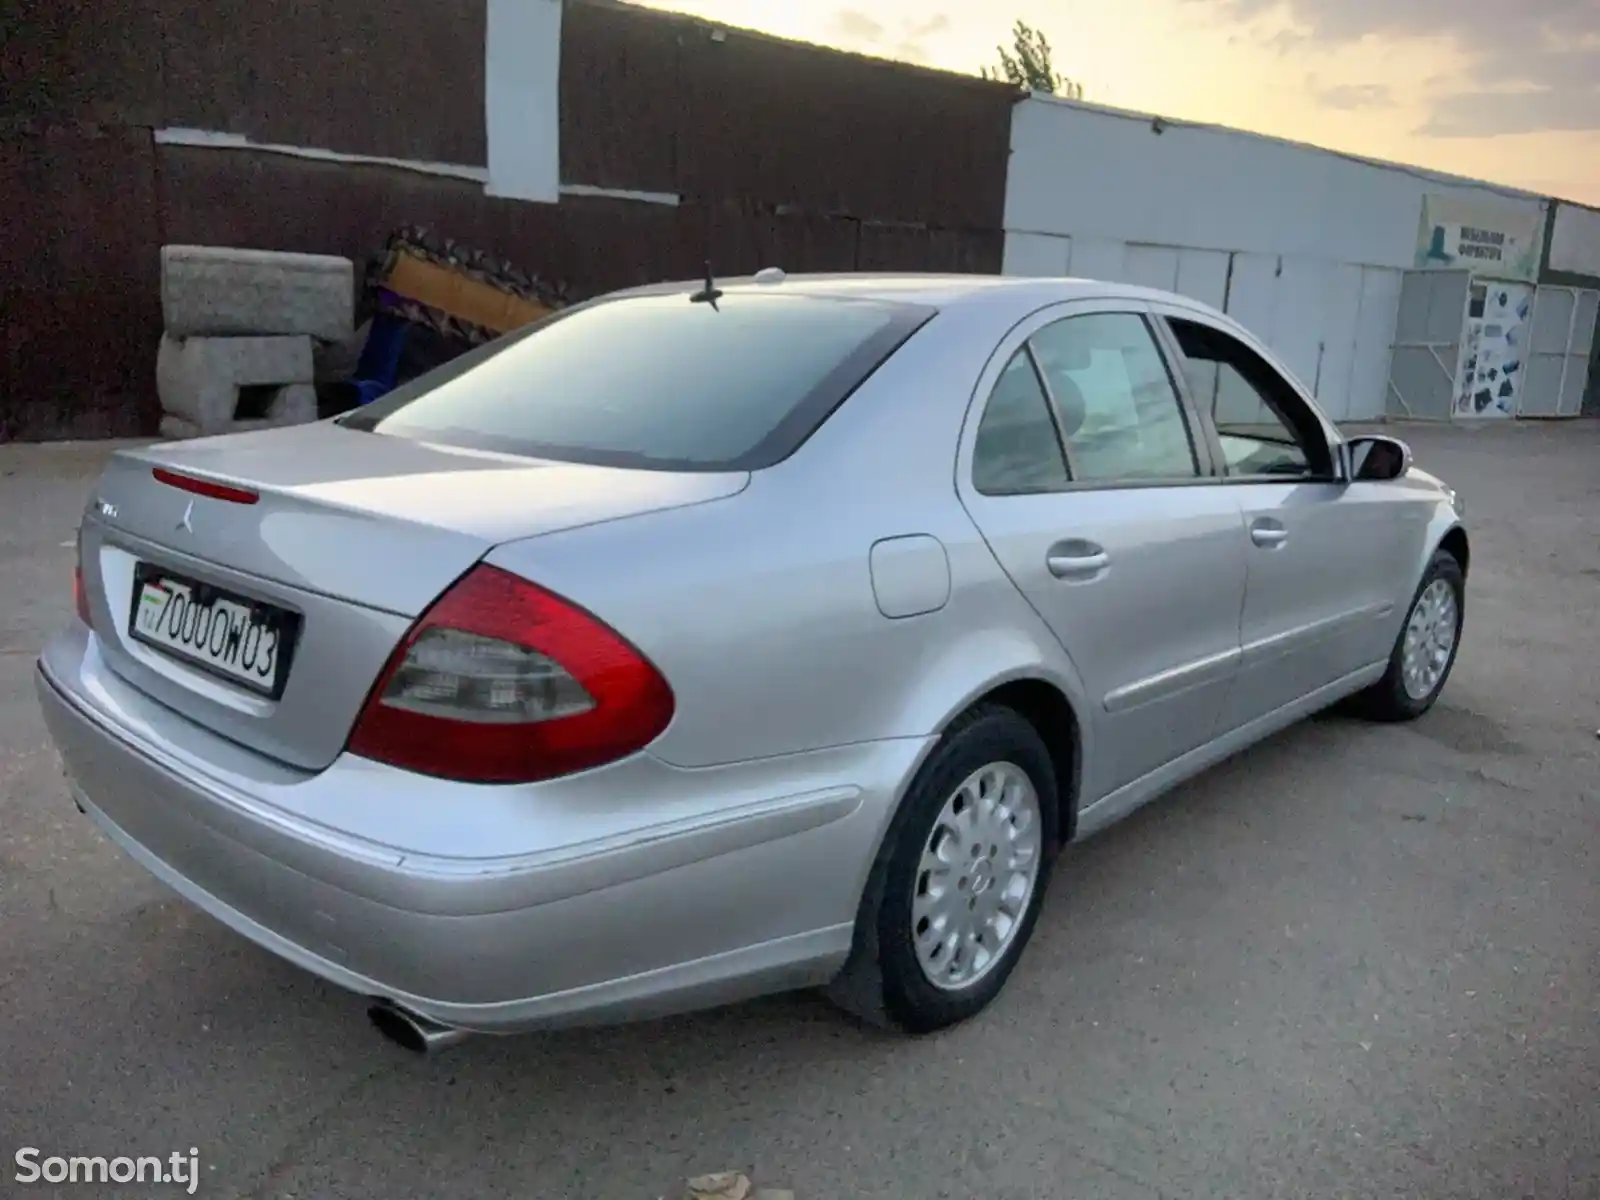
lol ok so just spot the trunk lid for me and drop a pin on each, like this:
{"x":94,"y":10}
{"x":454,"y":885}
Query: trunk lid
{"x":352,"y":536}
{"x":379,"y":521}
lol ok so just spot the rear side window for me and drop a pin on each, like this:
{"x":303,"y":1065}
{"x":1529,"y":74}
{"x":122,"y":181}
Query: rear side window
{"x":656,"y":381}
{"x":1123,"y":419}
{"x":1018,"y":451}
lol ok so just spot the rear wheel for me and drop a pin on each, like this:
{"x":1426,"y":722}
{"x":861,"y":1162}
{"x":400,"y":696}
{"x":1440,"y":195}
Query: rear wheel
{"x":1425,"y":651}
{"x":958,"y":883}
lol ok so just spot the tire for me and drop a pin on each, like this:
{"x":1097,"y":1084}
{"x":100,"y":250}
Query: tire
{"x":884,"y":982}
{"x":1390,"y":699}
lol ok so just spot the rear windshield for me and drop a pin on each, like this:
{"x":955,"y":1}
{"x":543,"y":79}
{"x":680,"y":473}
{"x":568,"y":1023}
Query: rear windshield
{"x":655,"y":381}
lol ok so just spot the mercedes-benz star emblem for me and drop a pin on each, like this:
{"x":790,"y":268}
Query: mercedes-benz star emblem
{"x":183,"y":521}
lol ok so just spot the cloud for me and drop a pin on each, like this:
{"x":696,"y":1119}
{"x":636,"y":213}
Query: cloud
{"x":908,"y":41}
{"x":1485,"y":114}
{"x":914,"y":41}
{"x":851,"y":25}
{"x":1535,"y":64}
{"x":1353,"y":96}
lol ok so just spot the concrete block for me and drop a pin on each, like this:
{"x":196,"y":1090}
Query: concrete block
{"x":210,"y":291}
{"x":199,"y":379}
{"x":176,"y":429}
{"x":295,"y":404}
{"x":337,"y":361}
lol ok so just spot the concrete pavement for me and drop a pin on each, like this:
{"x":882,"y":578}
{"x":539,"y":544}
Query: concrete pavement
{"x":1355,"y":961}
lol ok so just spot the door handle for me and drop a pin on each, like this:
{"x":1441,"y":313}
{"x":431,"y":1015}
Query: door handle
{"x":1076,"y":559}
{"x":1268,"y":534}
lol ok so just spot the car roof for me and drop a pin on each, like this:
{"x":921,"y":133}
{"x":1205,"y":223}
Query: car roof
{"x":1026,"y":293}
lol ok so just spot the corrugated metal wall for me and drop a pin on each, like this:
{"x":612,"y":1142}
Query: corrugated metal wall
{"x":657,"y":102}
{"x":1312,"y":245}
{"x":79,"y":312}
{"x":402,"y":79}
{"x":1332,"y":323}
{"x":1572,"y":259}
{"x":781,"y":154}
{"x":89,"y":198}
{"x":620,"y":69}
{"x":1239,"y":191}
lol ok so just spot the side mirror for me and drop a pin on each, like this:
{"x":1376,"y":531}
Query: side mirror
{"x":1373,"y":458}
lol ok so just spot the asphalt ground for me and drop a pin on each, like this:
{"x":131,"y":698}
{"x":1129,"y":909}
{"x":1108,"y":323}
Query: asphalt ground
{"x":1353,"y":962}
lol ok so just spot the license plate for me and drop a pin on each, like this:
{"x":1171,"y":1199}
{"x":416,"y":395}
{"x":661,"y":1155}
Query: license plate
{"x":241,"y":640}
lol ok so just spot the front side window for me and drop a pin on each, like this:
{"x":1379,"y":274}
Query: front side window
{"x":655,"y":381}
{"x":1120,"y":412}
{"x":1264,"y":429}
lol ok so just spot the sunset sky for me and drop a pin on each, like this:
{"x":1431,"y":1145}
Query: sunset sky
{"x":1492,"y":89}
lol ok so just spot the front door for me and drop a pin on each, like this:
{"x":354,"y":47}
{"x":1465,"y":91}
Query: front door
{"x":1326,"y":561}
{"x":1089,"y":487}
{"x":1323,"y":587}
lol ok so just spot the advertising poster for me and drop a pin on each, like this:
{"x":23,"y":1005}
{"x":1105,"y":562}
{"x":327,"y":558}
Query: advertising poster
{"x":1494,"y":349}
{"x":1501,"y":241}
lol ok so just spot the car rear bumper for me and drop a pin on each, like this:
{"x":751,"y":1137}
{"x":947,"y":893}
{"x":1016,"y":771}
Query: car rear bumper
{"x":745,"y":896}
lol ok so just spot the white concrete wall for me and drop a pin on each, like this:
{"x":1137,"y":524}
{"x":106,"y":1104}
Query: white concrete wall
{"x":522,"y":99}
{"x":1303,"y":246}
{"x":1575,"y":241}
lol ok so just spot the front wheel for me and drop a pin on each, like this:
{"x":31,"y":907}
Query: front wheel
{"x":1425,"y":651}
{"x":958,"y":883}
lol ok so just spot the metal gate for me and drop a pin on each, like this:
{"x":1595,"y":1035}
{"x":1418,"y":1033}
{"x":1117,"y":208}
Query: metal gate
{"x":1427,"y":344}
{"x":1558,"y":352}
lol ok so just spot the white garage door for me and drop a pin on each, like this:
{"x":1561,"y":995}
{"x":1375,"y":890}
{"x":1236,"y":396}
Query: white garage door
{"x":1332,"y":323}
{"x":1558,"y":352}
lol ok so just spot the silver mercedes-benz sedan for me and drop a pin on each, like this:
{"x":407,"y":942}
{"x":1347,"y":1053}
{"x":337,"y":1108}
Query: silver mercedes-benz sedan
{"x":704,"y":641}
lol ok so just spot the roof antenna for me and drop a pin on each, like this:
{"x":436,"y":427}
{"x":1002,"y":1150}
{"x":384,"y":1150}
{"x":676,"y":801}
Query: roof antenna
{"x":709,"y":294}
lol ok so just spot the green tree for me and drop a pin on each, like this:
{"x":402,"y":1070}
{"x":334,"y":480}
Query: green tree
{"x":1028,"y":65}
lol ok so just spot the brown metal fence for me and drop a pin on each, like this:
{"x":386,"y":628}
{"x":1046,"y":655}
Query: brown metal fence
{"x":402,"y":79}
{"x":780,"y":154}
{"x":658,"y":102}
{"x":79,"y":313}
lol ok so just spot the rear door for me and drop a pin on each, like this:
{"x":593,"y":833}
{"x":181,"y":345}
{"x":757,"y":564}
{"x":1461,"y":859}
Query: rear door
{"x":1328,"y":561}
{"x":1083,"y":470}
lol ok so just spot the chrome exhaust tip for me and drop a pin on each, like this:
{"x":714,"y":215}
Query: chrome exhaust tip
{"x":411,"y":1031}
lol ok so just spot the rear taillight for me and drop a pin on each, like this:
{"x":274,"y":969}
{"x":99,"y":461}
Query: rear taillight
{"x":80,"y":596}
{"x":503,"y":682}
{"x":80,"y":593}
